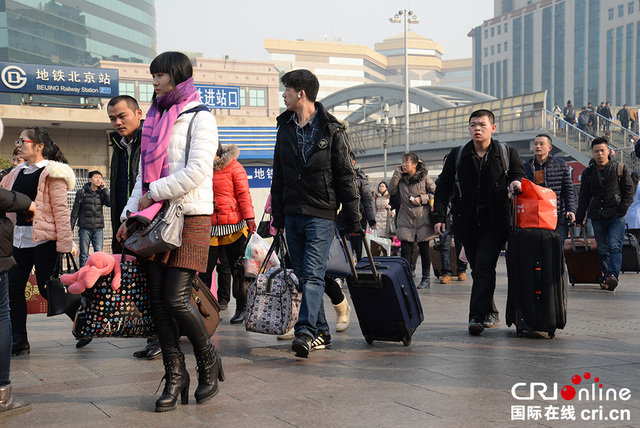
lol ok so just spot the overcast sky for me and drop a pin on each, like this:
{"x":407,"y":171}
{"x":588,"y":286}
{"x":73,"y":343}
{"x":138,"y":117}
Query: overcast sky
{"x":238,"y":28}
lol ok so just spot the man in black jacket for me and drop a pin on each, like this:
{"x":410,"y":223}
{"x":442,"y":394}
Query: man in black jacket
{"x":481,"y":209}
{"x":606,"y":190}
{"x":14,"y":202}
{"x":87,"y":212}
{"x":125,"y":116}
{"x":312,"y":176}
{"x":366,"y":207}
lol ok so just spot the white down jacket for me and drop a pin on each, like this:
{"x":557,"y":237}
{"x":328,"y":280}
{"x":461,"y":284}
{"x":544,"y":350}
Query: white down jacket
{"x":192,"y":181}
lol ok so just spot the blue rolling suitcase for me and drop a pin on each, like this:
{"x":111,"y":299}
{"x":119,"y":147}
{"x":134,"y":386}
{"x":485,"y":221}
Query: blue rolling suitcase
{"x":385,"y":298}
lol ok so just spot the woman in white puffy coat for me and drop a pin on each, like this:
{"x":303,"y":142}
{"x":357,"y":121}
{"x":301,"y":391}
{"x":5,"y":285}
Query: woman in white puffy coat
{"x":166,"y":174}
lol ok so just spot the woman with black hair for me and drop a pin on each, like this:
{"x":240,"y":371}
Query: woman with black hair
{"x":168,"y":173}
{"x":45,"y":178}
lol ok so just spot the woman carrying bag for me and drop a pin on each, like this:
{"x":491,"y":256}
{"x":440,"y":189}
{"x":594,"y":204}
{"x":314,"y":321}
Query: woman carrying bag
{"x":412,"y":182}
{"x":384,"y":216}
{"x":168,"y":172}
{"x":45,"y":177}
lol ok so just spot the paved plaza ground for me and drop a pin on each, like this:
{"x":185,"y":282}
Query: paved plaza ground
{"x":445,"y":378}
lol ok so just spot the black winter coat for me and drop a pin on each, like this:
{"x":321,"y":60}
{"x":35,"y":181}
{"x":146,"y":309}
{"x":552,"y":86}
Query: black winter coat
{"x":367,"y":211}
{"x":123,"y":172}
{"x":87,"y":207}
{"x":327,"y":180}
{"x":604,"y":195}
{"x":13,"y":202}
{"x":492,"y":181}
{"x":557,"y":177}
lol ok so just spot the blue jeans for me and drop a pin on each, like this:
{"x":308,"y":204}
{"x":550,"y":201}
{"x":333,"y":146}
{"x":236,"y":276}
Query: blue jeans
{"x":309,"y":239}
{"x":609,"y":233}
{"x":5,"y":330}
{"x":94,"y":237}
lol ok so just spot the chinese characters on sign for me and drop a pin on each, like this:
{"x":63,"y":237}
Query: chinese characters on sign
{"x":259,"y":176}
{"x":38,"y":79}
{"x":219,"y":97}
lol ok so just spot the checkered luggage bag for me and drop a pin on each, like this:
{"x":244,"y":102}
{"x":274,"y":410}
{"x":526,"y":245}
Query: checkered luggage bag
{"x":273,"y":299}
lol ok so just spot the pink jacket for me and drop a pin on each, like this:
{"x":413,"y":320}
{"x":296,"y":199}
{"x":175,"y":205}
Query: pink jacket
{"x":52,"y":221}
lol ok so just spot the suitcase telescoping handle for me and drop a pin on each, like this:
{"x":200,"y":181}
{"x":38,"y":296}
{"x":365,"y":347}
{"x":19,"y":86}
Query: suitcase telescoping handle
{"x":367,"y":248}
{"x":583,"y":233}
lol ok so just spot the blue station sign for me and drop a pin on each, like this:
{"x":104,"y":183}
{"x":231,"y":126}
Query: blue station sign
{"x":220,"y":97}
{"x":58,"y":80}
{"x":259,"y":176}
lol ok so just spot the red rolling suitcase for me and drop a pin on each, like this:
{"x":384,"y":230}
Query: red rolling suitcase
{"x":385,"y":297}
{"x":581,"y":255}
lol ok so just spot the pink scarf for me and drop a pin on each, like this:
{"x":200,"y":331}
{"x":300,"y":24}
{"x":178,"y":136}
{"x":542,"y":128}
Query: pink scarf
{"x":157,"y":130}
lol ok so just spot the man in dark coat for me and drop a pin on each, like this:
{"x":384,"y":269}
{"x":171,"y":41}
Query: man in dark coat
{"x":312,"y":177}
{"x":366,"y":207}
{"x":606,"y":191}
{"x":479,"y":181}
{"x":125,"y":116}
{"x":548,"y":171}
{"x":87,"y":212}
{"x":623,"y":117}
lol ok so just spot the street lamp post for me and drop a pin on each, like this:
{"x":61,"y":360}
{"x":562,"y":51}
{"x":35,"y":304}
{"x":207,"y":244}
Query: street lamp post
{"x":407,"y":17}
{"x":385,"y":128}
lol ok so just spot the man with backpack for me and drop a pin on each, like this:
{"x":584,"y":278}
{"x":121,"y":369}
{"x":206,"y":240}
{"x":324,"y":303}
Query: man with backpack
{"x":606,"y":191}
{"x":569,"y":113}
{"x":478,"y":175}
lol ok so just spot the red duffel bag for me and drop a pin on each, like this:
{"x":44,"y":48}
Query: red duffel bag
{"x":537,"y":206}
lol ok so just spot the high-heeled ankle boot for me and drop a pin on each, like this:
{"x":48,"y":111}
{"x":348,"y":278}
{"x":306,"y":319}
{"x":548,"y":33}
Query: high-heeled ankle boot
{"x":176,"y":382}
{"x":343,"y":311}
{"x":209,"y":373}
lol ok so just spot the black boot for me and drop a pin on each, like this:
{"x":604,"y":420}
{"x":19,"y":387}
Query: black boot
{"x":20,"y":345}
{"x":176,"y":382}
{"x":239,"y":316}
{"x":209,"y":373}
{"x":10,"y":405}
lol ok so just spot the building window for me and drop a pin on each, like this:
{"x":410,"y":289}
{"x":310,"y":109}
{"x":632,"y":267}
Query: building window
{"x":486,"y":34}
{"x":630,"y":8}
{"x":127,"y":88}
{"x":145,"y":92}
{"x":492,"y":50}
{"x":486,"y":52}
{"x":243,"y":97}
{"x":620,"y":11}
{"x":505,"y":46}
{"x":256,"y":97}
{"x":493,"y":31}
{"x":610,"y":14}
{"x":506,"y":27}
{"x":499,"y":29}
{"x":499,"y":48}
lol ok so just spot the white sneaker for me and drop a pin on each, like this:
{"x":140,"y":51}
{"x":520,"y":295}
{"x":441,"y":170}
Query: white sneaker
{"x":288,"y":335}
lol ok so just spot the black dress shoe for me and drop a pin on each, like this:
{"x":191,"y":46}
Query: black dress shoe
{"x":81,"y":343}
{"x":20,"y":349}
{"x":239,"y":316}
{"x":154,"y":350}
{"x":152,"y":342}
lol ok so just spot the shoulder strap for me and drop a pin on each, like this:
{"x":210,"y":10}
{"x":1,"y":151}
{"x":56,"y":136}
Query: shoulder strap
{"x":458,"y":157}
{"x":195,"y":110}
{"x":504,"y":154}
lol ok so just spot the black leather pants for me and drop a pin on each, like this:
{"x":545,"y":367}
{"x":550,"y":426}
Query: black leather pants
{"x":169,"y":290}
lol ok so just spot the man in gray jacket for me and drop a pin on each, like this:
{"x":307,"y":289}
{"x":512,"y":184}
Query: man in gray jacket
{"x":87,"y":212}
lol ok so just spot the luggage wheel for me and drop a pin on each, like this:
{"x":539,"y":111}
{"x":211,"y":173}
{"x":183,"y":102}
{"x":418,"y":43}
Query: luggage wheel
{"x":368,"y":338}
{"x":406,"y":341}
{"x":520,"y":332}
{"x":552,"y":334}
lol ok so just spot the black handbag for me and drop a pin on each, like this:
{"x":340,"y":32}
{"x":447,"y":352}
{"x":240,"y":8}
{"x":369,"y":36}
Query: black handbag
{"x":338,"y":264}
{"x":59,"y":299}
{"x":264,"y":227}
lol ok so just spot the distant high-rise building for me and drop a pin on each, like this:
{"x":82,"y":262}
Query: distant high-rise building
{"x":77,"y":32}
{"x":579,"y":50}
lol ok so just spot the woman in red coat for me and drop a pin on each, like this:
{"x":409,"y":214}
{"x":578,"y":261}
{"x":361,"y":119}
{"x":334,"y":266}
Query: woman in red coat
{"x":231,"y":222}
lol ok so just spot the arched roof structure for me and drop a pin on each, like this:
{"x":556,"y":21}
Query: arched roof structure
{"x":370,"y":98}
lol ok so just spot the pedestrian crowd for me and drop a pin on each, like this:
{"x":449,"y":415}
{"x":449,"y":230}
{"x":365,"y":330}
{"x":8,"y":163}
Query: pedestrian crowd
{"x":461,"y":219}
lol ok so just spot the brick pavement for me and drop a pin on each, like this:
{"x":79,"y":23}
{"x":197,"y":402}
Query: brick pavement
{"x":444,"y":378}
